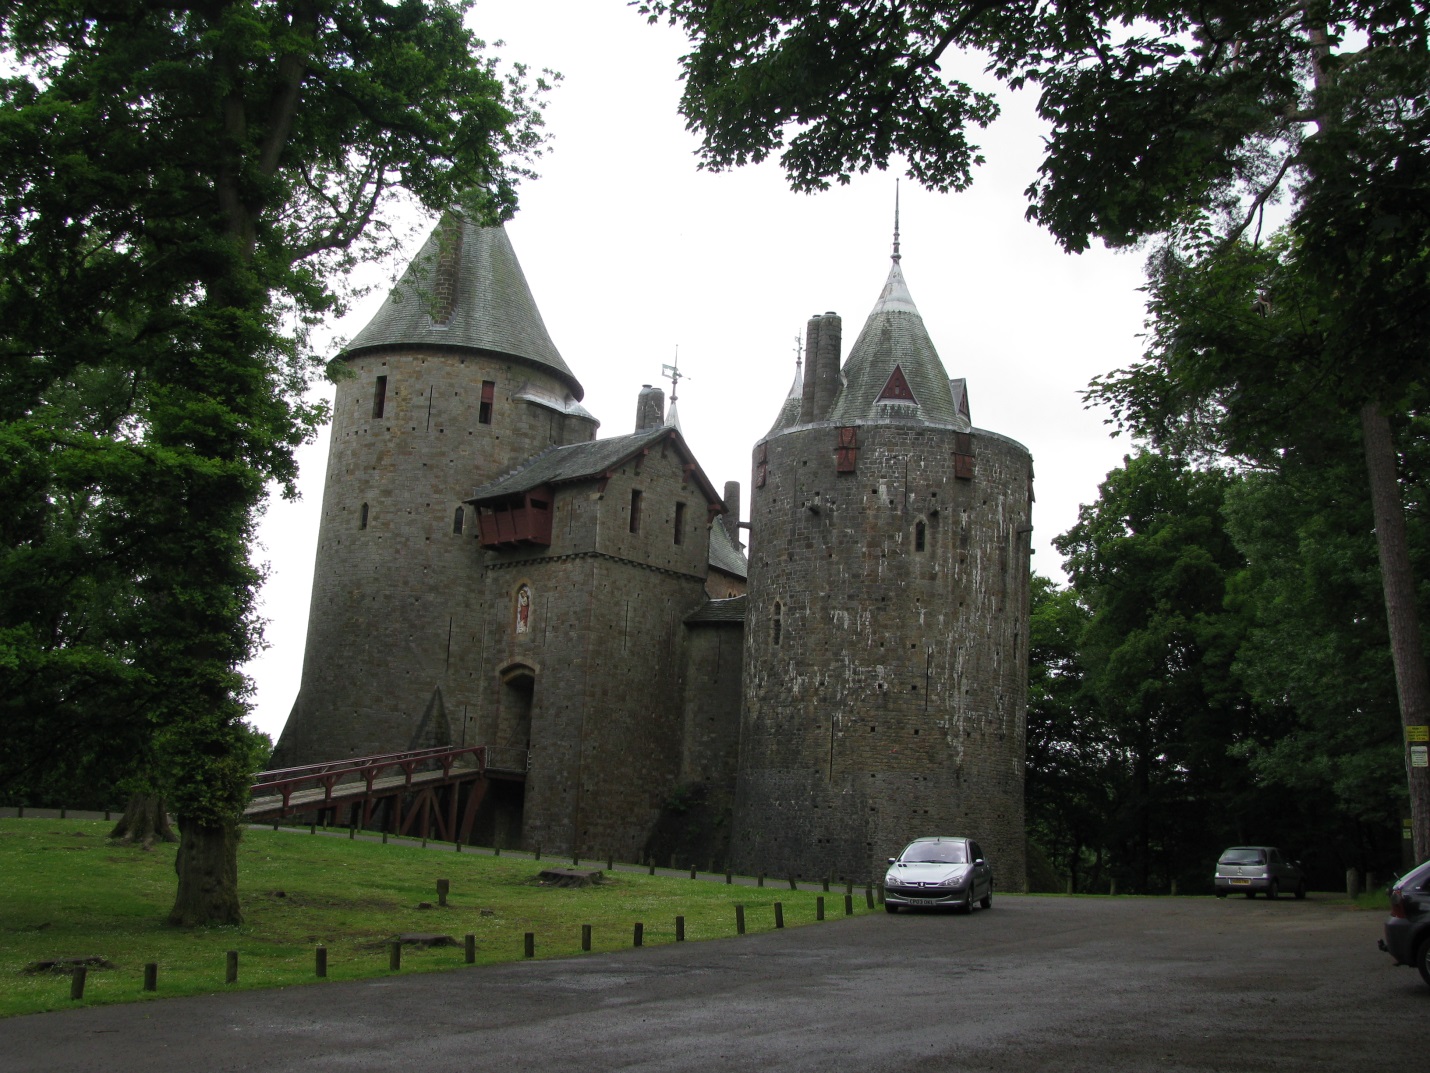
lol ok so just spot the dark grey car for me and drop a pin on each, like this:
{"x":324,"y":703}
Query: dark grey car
{"x":1407,"y":929}
{"x":939,"y":871}
{"x":1251,"y":870}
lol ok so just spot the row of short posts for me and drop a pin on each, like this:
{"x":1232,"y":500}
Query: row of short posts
{"x":79,"y":974}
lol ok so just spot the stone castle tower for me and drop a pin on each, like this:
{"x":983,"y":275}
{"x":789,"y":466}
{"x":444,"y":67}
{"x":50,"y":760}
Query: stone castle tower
{"x":490,"y":572}
{"x":885,"y":668}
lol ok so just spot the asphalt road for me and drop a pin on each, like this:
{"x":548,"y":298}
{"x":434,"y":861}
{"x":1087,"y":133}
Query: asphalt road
{"x":1032,"y":984}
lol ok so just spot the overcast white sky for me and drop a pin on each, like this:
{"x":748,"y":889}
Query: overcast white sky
{"x":631,"y":252}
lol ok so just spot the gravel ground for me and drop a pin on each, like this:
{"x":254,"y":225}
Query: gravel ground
{"x":1064,"y":984}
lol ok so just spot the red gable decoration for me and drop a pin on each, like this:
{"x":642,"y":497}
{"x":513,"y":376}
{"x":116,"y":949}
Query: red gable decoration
{"x":897,"y":389}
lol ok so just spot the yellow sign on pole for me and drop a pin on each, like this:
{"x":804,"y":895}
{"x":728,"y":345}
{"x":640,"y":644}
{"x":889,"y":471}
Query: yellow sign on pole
{"x":1417,"y":733}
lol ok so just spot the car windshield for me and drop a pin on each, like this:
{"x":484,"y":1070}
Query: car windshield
{"x":934,"y":853}
{"x":1243,"y":855}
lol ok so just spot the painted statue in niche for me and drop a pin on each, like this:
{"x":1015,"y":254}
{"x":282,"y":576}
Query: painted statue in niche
{"x":523,"y":609}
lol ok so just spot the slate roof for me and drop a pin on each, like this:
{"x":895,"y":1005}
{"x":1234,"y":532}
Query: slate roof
{"x":894,"y":336}
{"x":588,"y":461}
{"x":493,"y":311}
{"x":789,"y":411}
{"x":730,"y":610}
{"x":724,"y":554}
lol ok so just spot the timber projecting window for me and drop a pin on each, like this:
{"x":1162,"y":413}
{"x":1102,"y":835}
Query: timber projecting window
{"x":484,"y":412}
{"x":680,"y":523}
{"x":635,"y":511}
{"x":379,"y":396}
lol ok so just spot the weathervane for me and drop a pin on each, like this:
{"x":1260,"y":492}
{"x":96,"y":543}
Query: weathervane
{"x":798,"y":354}
{"x":673,"y":374}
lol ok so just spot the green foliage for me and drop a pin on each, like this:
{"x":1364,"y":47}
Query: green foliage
{"x":181,"y":184}
{"x":69,"y":890}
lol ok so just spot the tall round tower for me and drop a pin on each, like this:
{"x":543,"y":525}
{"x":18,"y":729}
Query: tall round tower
{"x":886,"y":633}
{"x":453,"y":383}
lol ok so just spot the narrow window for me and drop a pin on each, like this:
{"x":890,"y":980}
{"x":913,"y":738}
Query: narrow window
{"x":920,"y":535}
{"x":379,"y":396}
{"x":457,"y":520}
{"x":362,"y":517}
{"x":680,"y":523}
{"x":484,"y":412}
{"x":635,"y":511}
{"x":777,"y":624}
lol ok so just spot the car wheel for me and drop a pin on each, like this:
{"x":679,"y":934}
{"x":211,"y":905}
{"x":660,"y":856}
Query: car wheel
{"x":1274,"y":891}
{"x":966,"y":906}
{"x":1422,"y":961}
{"x":890,"y":908}
{"x":1301,"y":890}
{"x":987,"y":900}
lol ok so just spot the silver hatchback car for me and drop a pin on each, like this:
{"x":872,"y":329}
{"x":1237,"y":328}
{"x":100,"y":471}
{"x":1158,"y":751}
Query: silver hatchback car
{"x":939,"y":871}
{"x":1251,"y":870}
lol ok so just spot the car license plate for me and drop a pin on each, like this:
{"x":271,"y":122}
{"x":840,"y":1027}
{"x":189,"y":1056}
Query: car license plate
{"x":1240,"y":882}
{"x":922,"y":901}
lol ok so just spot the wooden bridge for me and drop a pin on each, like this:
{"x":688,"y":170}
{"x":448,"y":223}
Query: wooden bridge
{"x":420,"y":792}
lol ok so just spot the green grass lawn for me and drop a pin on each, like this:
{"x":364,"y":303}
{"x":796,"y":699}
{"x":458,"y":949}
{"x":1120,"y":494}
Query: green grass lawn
{"x":67,"y":891}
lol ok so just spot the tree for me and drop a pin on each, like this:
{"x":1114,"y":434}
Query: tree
{"x":1184,"y":121}
{"x":1152,"y":562}
{"x":181,"y":182}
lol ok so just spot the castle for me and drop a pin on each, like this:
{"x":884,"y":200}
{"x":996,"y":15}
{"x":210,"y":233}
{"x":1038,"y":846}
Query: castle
{"x":490,"y":572}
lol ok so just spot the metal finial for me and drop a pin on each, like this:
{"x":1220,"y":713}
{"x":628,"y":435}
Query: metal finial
{"x":897,"y":255}
{"x":673,"y":374}
{"x":798,"y":354}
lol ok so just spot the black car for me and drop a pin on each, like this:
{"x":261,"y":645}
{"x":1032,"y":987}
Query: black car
{"x":1407,"y":930}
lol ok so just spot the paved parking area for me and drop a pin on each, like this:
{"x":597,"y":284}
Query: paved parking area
{"x":1064,"y":984}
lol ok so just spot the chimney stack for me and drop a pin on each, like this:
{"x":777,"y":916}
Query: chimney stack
{"x":822,"y":341}
{"x":732,"y":511}
{"x":650,"y":408}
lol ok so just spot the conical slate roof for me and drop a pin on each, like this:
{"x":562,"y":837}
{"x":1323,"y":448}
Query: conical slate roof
{"x":465,"y":290}
{"x":789,"y":411}
{"x":893,"y":370}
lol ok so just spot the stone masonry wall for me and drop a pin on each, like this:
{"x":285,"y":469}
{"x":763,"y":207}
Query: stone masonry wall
{"x":885,"y":686}
{"x":394,"y":628}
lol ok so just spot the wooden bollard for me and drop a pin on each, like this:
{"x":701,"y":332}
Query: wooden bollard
{"x":394,"y":956}
{"x":384,"y":838}
{"x":761,"y":881}
{"x":496,"y":850}
{"x":639,"y":934}
{"x":586,"y":938}
{"x":792,"y":884}
{"x":230,"y":970}
{"x":652,"y":866}
{"x":728,"y":877}
{"x":458,"y":844}
{"x":849,"y":887}
{"x":424,"y":841}
{"x":819,"y":908}
{"x":77,"y":976}
{"x":680,"y":929}
{"x":530,"y":944}
{"x":779,"y":915}
{"x":692,"y":871}
{"x":471,"y":948}
{"x":849,"y":905}
{"x":352,"y":833}
{"x":151,"y":976}
{"x":869,"y":895}
{"x":610,"y":862}
{"x":538,"y":851}
{"x":826,"y":883}
{"x":443,"y":887}
{"x":739,"y":920}
{"x":312,"y":828}
{"x":575,"y":860}
{"x":320,"y":961}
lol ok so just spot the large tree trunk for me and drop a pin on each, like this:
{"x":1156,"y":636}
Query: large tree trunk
{"x":1411,"y":679}
{"x":207,"y":864}
{"x":145,"y":821}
